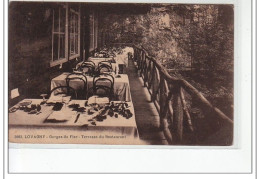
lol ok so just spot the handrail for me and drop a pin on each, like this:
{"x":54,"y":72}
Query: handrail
{"x":187,"y":86}
{"x":167,"y":94}
{"x":192,"y":90}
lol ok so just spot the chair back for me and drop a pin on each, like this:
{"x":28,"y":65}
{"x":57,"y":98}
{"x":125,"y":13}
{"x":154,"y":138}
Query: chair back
{"x":87,"y":67}
{"x":104,"y":66}
{"x":67,"y":90}
{"x":103,"y":86}
{"x":107,"y":75}
{"x":81,"y":89}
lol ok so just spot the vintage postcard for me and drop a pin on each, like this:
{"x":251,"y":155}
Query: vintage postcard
{"x":121,"y":73}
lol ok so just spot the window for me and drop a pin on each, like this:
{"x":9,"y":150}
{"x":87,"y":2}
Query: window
{"x":65,"y":34}
{"x":74,"y":34}
{"x":91,"y":34}
{"x":93,"y":26}
{"x":58,"y":34}
{"x":96,"y":30}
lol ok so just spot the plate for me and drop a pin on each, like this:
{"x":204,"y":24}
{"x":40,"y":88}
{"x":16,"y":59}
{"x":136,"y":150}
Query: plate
{"x":25,"y":103}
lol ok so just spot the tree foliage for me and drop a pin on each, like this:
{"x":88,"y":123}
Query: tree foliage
{"x":198,"y":36}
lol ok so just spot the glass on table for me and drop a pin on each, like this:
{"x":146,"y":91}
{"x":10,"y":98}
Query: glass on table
{"x":116,"y":70}
{"x":43,"y":98}
{"x":65,"y":100}
{"x":62,"y":96}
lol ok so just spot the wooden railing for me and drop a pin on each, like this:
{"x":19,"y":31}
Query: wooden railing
{"x":168,"y":94}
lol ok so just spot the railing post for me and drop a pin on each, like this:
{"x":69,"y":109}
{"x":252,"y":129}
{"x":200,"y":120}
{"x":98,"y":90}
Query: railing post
{"x":138,"y":58}
{"x":151,"y":76}
{"x":177,"y":115}
{"x":155,"y":90}
{"x":142,"y":63}
{"x":164,"y":111}
{"x":185,"y":109}
{"x":161,"y":98}
{"x":145,"y":70}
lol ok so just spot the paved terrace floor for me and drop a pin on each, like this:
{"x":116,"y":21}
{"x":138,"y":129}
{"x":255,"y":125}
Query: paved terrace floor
{"x":147,"y":117}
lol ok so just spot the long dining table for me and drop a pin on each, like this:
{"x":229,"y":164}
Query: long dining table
{"x":121,"y":85}
{"x":71,"y":126}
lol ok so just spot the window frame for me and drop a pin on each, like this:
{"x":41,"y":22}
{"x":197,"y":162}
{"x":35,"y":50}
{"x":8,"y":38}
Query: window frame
{"x":71,"y":57}
{"x":67,"y":36}
{"x":96,"y":30}
{"x":93,"y":34}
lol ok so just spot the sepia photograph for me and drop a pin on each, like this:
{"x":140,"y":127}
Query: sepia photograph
{"x":121,"y":73}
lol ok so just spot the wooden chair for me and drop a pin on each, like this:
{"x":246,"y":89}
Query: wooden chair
{"x":87,"y":67}
{"x":106,"y":75}
{"x":81,"y":91}
{"x":103,"y":86}
{"x":104,"y":66}
{"x":66,"y":90}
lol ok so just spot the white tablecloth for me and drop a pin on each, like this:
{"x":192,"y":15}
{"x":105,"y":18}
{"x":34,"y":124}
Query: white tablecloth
{"x":121,"y":85}
{"x":97,"y":60}
{"x":122,"y":58}
{"x":38,"y":130}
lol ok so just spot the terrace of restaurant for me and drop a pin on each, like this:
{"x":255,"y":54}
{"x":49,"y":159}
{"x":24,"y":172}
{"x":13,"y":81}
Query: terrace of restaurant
{"x":50,"y":41}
